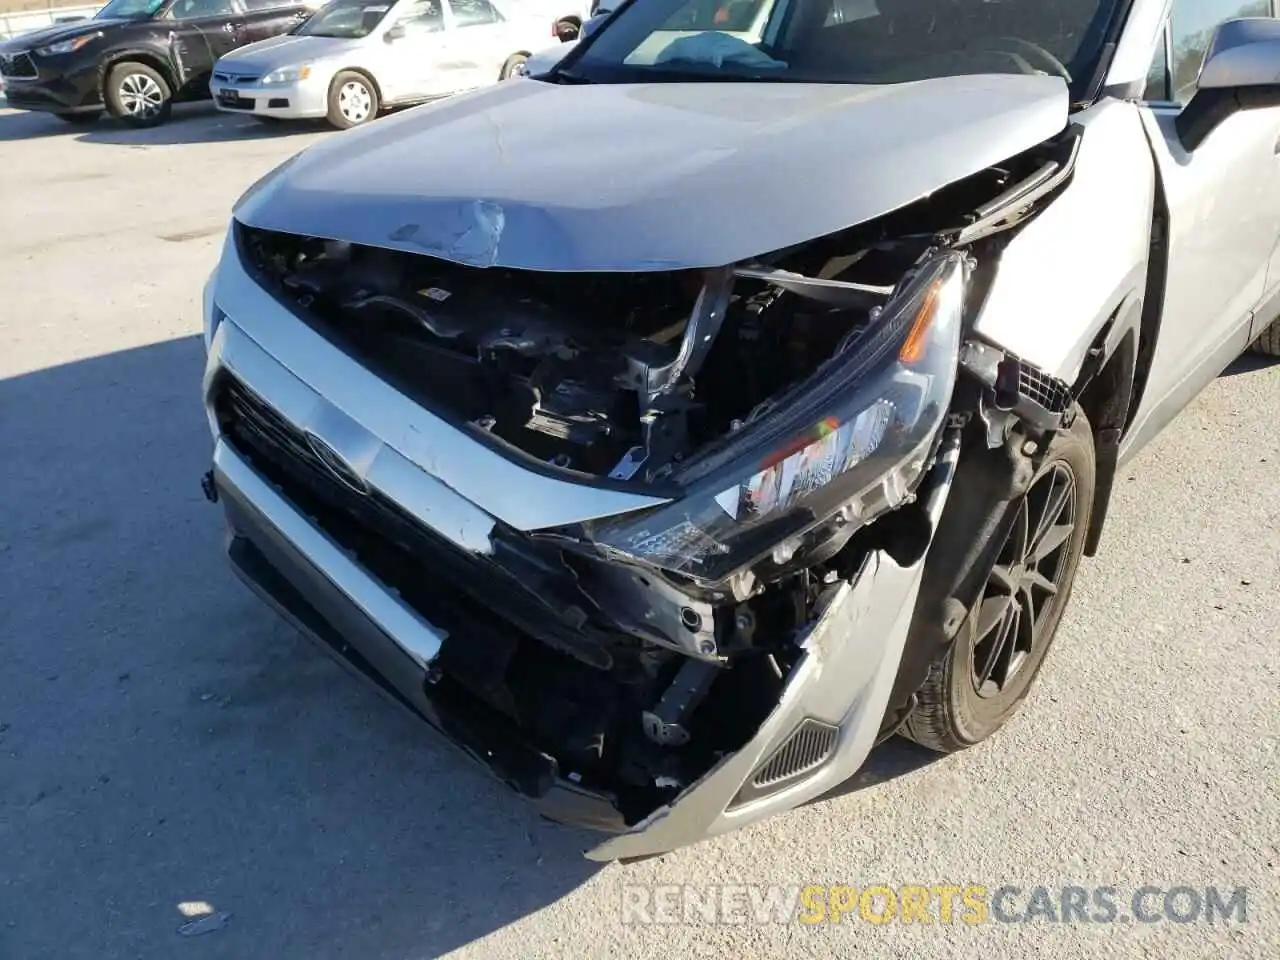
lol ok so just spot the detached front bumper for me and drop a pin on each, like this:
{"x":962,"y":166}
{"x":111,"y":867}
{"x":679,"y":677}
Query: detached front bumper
{"x":818,"y":733}
{"x":300,"y":100}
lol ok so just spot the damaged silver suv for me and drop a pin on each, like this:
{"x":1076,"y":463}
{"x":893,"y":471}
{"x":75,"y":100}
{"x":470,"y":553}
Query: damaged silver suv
{"x":671,"y":425}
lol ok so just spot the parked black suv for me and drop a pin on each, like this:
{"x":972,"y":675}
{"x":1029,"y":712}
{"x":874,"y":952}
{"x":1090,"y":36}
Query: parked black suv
{"x":136,"y":57}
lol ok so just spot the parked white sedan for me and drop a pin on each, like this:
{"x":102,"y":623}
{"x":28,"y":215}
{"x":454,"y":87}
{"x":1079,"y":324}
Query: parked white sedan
{"x":354,"y":58}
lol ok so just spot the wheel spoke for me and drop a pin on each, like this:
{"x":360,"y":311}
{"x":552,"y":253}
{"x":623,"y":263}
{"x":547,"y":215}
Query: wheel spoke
{"x":1004,"y":577}
{"x":1051,"y":540}
{"x":1027,"y":601}
{"x":1020,"y":535}
{"x":992,"y":613}
{"x":999,"y":648}
{"x":1038,"y":580}
{"x":1052,"y":504}
{"x":1057,"y":502}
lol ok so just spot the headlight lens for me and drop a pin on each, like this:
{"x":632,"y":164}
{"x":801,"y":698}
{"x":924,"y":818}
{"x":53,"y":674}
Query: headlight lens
{"x":67,"y":46}
{"x":852,"y":440}
{"x":288,"y":74}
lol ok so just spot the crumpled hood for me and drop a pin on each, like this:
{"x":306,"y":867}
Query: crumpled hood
{"x":541,"y":176}
{"x":56,"y":33}
{"x":282,"y":51}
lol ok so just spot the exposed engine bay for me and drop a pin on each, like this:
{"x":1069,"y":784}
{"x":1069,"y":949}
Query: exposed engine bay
{"x":603,"y":374}
{"x":635,"y":674}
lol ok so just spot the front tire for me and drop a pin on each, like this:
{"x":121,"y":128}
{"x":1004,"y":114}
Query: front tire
{"x":514,"y":62}
{"x":1033,"y":554}
{"x":1268,"y":345}
{"x":353,"y":100}
{"x":139,"y":95}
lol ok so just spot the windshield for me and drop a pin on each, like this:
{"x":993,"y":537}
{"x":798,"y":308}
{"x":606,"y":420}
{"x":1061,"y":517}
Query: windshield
{"x":846,"y":41}
{"x":128,"y":9}
{"x":350,"y":19}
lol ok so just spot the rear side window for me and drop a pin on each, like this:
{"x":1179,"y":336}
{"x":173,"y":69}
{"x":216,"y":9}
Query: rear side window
{"x":1192,"y":25}
{"x":199,"y":9}
{"x":422,"y":16}
{"x":473,"y":13}
{"x":258,"y":5}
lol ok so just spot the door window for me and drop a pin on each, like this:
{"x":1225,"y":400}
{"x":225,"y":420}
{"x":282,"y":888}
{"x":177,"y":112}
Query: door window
{"x":473,"y":13}
{"x":260,"y":5}
{"x":1191,"y":28}
{"x":200,"y":9}
{"x":422,"y":16}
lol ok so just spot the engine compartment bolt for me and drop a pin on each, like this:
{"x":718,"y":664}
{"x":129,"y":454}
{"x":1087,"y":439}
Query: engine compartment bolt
{"x":707,"y":648}
{"x":1030,"y":448}
{"x":691,"y":619}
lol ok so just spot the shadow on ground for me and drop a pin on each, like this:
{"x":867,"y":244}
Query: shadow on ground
{"x":191,"y":123}
{"x":172,"y":748}
{"x":1250,"y":363}
{"x":167,"y":741}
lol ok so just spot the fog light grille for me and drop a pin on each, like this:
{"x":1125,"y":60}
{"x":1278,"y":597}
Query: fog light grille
{"x":810,"y":746}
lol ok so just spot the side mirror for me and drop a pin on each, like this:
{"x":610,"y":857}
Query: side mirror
{"x":1241,"y":72}
{"x":394,"y":33}
{"x":594,"y":24}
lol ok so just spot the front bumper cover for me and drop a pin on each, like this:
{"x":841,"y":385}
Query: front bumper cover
{"x":842,"y":682}
{"x":298,"y":100}
{"x":851,"y":660}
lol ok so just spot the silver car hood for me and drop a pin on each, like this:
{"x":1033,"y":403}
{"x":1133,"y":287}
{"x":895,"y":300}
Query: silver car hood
{"x":541,"y":176}
{"x":282,"y":51}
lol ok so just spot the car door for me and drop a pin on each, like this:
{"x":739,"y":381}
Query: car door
{"x":1223,"y":200}
{"x":201,"y":31}
{"x":408,"y":57}
{"x":264,"y":19}
{"x":478,"y":43}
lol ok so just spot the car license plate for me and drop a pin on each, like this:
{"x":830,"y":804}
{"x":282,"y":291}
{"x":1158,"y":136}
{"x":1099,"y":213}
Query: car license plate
{"x":231,"y":98}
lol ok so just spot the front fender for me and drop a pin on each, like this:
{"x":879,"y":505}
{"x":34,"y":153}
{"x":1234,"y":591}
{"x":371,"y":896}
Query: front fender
{"x":157,"y":58}
{"x":1083,"y":260}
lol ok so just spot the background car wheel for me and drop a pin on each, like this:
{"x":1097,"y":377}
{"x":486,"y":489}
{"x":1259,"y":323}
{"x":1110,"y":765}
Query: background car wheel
{"x":138,"y":95}
{"x":1032,"y":550}
{"x":567,"y":30}
{"x":513,"y":63}
{"x":353,"y":100}
{"x":79,"y":119}
{"x":1269,"y":343}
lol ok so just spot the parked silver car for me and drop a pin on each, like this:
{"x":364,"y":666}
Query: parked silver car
{"x":671,"y":426}
{"x":355,"y":57}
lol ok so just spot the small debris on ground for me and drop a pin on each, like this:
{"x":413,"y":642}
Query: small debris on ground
{"x":206,"y":924}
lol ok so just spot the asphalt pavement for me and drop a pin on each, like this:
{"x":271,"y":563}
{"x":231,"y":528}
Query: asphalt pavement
{"x":182,"y":776}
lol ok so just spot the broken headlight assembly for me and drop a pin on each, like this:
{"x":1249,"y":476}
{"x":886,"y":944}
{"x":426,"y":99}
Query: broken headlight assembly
{"x":847,"y":444}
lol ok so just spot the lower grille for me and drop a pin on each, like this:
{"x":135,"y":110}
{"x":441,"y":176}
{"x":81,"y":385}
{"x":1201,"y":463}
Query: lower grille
{"x":17,"y":66}
{"x":810,"y":746}
{"x":456,"y":590}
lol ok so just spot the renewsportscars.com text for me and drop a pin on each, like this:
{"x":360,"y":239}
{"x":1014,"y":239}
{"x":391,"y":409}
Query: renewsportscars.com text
{"x":941,"y":903}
